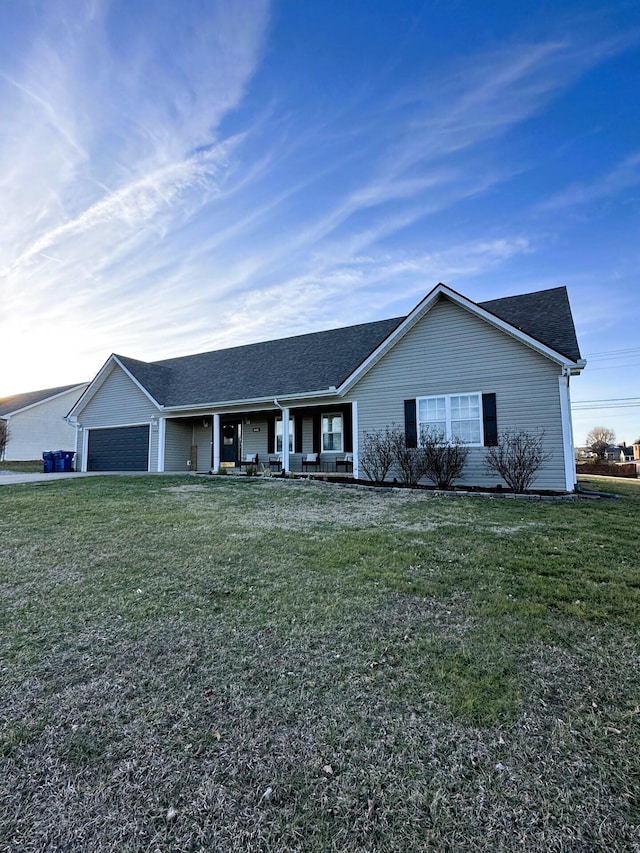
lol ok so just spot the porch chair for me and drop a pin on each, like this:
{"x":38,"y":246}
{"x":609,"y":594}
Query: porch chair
{"x":345,"y":464}
{"x":311,"y":459}
{"x":275,"y":462}
{"x":249,"y":459}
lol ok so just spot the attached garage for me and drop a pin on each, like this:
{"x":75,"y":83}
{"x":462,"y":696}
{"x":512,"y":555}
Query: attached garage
{"x":119,"y":449}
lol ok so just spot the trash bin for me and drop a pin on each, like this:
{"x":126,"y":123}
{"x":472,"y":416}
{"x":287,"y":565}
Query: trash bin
{"x":48,"y":462}
{"x":62,"y":460}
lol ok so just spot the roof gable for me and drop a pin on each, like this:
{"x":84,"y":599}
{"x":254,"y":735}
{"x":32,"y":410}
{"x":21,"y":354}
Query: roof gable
{"x":552,"y":301}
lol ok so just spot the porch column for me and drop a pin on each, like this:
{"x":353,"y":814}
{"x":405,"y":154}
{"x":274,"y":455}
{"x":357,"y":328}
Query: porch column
{"x":285,"y":438}
{"x":216,"y":442}
{"x":162,"y":436}
{"x":354,"y":430}
{"x":85,"y":449}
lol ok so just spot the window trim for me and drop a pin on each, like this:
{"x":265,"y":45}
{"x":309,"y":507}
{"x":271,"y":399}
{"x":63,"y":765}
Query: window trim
{"x":324,"y":415}
{"x":448,"y":431}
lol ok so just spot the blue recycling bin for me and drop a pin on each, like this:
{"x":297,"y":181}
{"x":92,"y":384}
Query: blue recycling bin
{"x":62,"y":460}
{"x":48,"y":462}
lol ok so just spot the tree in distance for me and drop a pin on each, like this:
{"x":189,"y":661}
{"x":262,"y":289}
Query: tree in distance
{"x":599,"y":438}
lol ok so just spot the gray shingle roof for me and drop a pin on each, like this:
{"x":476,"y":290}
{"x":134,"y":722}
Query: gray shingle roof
{"x":21,"y":401}
{"x":544,"y":315}
{"x":295,"y":365}
{"x":319,"y":360}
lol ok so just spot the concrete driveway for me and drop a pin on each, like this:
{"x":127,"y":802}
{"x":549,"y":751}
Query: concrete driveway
{"x":10,"y":478}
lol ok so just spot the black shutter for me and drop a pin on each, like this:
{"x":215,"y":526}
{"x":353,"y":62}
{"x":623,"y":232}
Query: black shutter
{"x":271,"y":434}
{"x":489,"y":420}
{"x":410,"y":424}
{"x":347,"y":429}
{"x":317,"y":432}
{"x":297,"y":435}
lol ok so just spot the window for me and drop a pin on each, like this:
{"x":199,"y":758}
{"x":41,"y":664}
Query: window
{"x":332,"y":433}
{"x":455,"y":416}
{"x":278,"y":447}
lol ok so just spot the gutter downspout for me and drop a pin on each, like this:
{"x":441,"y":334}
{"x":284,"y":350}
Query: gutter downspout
{"x":567,"y":432}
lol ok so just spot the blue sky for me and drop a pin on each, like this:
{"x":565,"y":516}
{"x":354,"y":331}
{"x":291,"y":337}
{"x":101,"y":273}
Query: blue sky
{"x":178,"y":177}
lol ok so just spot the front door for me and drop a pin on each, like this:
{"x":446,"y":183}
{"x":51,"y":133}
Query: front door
{"x":230,"y":443}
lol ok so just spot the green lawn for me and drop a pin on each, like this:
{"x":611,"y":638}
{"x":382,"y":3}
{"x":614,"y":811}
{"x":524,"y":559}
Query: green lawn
{"x":33,"y":466}
{"x":200,"y":664}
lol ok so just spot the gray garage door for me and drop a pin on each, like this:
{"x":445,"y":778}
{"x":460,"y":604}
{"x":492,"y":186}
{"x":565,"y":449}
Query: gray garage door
{"x":122,"y":449}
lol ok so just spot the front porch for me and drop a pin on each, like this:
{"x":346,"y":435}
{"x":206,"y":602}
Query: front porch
{"x":321,"y":440}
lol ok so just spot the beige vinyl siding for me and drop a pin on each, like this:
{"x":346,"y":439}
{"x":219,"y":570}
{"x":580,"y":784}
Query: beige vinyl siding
{"x":256,"y":442}
{"x":177,"y":445}
{"x":202,"y":438}
{"x":119,"y":402}
{"x":451,"y":351}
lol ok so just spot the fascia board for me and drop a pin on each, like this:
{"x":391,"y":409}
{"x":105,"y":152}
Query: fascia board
{"x":98,"y":380}
{"x":255,"y":401}
{"x":95,"y":383}
{"x":138,"y":384}
{"x":399,"y":332}
{"x":45,"y":400}
{"x":424,"y":307}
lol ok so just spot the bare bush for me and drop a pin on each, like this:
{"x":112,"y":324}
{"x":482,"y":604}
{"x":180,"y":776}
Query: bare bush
{"x":376,"y":454}
{"x":442,"y":461}
{"x":517,"y":458}
{"x":4,"y":437}
{"x":408,"y":459}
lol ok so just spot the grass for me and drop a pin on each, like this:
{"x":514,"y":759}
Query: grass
{"x":193,"y":664}
{"x":29,"y":466}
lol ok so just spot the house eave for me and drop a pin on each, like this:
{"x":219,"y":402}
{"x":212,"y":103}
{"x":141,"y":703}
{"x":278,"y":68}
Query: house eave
{"x":423,"y":307}
{"x":44,"y":400}
{"x":248,"y":402}
{"x":96,"y":382}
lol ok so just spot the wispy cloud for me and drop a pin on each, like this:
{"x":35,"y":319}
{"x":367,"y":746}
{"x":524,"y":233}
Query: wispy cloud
{"x":158,"y":205}
{"x":623,"y":176}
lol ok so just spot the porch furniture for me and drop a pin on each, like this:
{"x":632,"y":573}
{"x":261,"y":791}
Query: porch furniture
{"x":275,"y":463}
{"x":345,"y":464}
{"x":311,"y":459}
{"x":249,"y":459}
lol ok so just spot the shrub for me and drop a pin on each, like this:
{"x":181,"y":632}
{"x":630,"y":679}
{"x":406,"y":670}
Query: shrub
{"x":517,"y":458}
{"x":4,"y":437}
{"x":376,"y":453}
{"x":409,"y":460}
{"x":442,"y":461}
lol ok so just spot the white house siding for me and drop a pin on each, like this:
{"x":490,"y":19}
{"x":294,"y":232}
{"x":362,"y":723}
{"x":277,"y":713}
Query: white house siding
{"x":41,"y":427}
{"x":451,"y":351}
{"x":119,"y":402}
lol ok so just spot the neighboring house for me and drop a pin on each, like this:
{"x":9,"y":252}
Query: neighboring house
{"x":619,"y":453}
{"x":475,"y":369}
{"x":36,"y":421}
